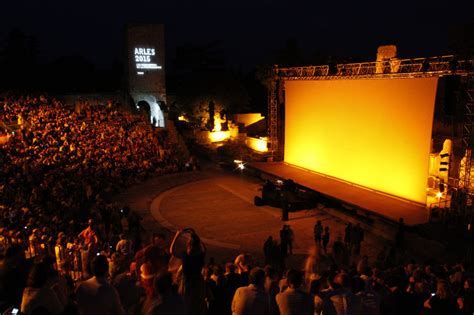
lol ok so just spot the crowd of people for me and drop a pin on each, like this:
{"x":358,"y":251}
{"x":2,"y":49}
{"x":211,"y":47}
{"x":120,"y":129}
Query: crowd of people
{"x":66,"y":249}
{"x":176,"y":277}
{"x":59,"y":166}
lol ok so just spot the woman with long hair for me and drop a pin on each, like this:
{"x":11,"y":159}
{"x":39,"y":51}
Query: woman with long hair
{"x":191,"y":284}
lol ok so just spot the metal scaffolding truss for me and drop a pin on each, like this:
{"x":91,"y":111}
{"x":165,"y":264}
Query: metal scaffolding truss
{"x":304,"y":72}
{"x":392,"y":68}
{"x":416,"y":67}
{"x":468,"y":132}
{"x":273,"y":117}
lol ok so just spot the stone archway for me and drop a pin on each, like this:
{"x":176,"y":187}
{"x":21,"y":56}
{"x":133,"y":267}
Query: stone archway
{"x":157,"y":118}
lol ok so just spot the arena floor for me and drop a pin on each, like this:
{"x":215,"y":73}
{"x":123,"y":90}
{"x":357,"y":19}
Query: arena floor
{"x":222,"y":212}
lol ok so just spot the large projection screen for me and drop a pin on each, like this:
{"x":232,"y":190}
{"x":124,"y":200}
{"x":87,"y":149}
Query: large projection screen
{"x":374,"y":133}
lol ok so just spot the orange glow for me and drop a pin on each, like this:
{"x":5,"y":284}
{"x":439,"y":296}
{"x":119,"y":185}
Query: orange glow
{"x":248,"y":119}
{"x":257,"y":144}
{"x":217,"y":136}
{"x":374,"y":133}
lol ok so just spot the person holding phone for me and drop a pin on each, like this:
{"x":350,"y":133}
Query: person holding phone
{"x":442,"y":301}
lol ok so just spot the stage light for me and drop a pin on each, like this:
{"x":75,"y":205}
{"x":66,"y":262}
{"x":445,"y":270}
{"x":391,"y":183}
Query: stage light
{"x":217,"y":136}
{"x":439,"y":195}
{"x":442,"y":187}
{"x":241,"y":166}
{"x":238,"y":161}
{"x":257,"y":144}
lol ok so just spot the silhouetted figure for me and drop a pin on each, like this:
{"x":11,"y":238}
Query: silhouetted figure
{"x":466,"y":300}
{"x":357,"y":236}
{"x":284,"y":240}
{"x":339,"y":251}
{"x":326,"y":237}
{"x":267,"y":250}
{"x":291,"y":238}
{"x":318,"y":233}
{"x":348,"y":236}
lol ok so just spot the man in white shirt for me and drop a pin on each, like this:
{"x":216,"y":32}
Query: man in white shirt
{"x":252,"y":299}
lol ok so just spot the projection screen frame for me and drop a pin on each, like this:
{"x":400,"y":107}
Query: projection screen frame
{"x":436,"y":66}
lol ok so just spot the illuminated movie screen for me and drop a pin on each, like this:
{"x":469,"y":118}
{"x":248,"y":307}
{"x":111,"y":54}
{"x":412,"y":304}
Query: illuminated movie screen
{"x":373,"y":133}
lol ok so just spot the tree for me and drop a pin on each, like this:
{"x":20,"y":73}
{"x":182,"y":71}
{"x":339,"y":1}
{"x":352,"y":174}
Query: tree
{"x":19,"y":60}
{"x":220,"y":90}
{"x":461,"y":40}
{"x":290,"y":55}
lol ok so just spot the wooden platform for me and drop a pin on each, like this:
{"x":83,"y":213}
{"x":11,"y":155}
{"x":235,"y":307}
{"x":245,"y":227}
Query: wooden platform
{"x":382,"y":205}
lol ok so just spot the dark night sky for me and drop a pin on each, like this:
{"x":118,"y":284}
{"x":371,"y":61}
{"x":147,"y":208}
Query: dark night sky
{"x":250,"y":30}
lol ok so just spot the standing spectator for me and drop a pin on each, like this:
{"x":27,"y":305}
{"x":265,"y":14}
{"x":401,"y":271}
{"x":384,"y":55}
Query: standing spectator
{"x":242,"y":264}
{"x":284,"y":241}
{"x":272,"y":288}
{"x":38,"y":295}
{"x":14,"y":269}
{"x":278,"y":260}
{"x":232,"y":281}
{"x":128,"y":291}
{"x":35,"y":243}
{"x":124,"y":246}
{"x":318,"y":233}
{"x":96,"y":295}
{"x":60,"y":250}
{"x":294,"y":301}
{"x":291,"y":238}
{"x":218,"y":288}
{"x":326,"y":237}
{"x":397,"y":301}
{"x":192,"y":286}
{"x":156,"y":253}
{"x":357,"y":237}
{"x":348,"y":236}
{"x":166,"y":302}
{"x":443,"y":302}
{"x":252,"y":299}
{"x":88,"y":235}
{"x":339,"y":252}
{"x":363,"y":265}
{"x":267,"y":250}
{"x":466,"y":300}
{"x":316,"y":265}
{"x":147,"y":275}
{"x":369,"y":298}
{"x":340,"y":299}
